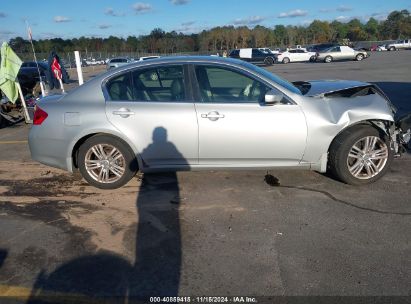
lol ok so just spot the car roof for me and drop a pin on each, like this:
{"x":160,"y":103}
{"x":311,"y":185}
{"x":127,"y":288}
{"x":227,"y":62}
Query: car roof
{"x":182,"y":59}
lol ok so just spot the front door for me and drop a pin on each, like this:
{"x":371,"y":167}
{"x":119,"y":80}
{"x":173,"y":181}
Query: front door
{"x":236,"y":127}
{"x":152,"y":108}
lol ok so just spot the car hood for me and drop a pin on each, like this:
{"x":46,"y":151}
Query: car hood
{"x":322,"y":87}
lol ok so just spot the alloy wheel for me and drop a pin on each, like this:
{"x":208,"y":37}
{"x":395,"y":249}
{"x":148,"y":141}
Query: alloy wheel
{"x":105,"y":163}
{"x":367,"y":157}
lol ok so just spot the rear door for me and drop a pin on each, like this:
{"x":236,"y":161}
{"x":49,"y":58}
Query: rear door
{"x":336,"y":53}
{"x":236,"y":128}
{"x":154,"y":109}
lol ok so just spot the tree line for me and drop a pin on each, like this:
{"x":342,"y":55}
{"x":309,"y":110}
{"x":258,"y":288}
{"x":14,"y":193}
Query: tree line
{"x":396,"y":26}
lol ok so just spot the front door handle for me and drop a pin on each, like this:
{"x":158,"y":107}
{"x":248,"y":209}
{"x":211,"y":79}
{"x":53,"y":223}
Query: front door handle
{"x":123,"y":112}
{"x":213,"y":116}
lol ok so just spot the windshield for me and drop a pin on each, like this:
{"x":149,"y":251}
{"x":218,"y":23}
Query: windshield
{"x":282,"y":82}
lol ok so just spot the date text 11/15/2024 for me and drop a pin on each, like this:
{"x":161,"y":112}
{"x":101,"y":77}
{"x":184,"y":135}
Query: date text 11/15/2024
{"x":204,"y":299}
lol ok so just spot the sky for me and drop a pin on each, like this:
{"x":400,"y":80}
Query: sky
{"x":122,"y":18}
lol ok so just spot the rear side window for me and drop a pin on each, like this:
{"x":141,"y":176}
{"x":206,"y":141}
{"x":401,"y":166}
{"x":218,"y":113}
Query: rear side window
{"x":152,"y":84}
{"x":159,"y":84}
{"x":120,"y":88}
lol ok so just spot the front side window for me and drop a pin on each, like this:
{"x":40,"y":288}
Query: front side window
{"x":222,"y":85}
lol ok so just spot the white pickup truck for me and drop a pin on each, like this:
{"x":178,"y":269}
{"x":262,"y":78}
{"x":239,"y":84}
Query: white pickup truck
{"x":399,"y":44}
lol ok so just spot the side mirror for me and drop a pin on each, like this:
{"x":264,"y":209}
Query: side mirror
{"x":273,"y":97}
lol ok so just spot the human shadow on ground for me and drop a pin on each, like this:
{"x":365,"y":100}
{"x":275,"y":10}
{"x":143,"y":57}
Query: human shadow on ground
{"x":107,"y":277}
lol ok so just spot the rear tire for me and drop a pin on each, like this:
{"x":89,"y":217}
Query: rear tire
{"x":106,"y":162}
{"x":269,"y":61}
{"x":328,"y":59}
{"x":360,"y":155}
{"x":286,"y":60}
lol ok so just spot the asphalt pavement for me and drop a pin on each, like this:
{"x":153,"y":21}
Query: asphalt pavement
{"x":215,"y":233}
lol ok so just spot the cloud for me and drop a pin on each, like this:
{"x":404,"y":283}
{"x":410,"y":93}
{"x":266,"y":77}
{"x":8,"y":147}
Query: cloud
{"x":293,"y":14}
{"x":49,"y":35}
{"x":141,"y":8}
{"x":306,"y":22}
{"x":188,"y":23}
{"x":326,"y":10}
{"x":378,"y":16}
{"x":2,"y":15}
{"x":6,"y":32}
{"x":344,"y":19}
{"x":179,"y":2}
{"x":104,"y":26}
{"x":110,"y":12}
{"x":59,"y":19}
{"x":343,"y":8}
{"x":190,"y":29}
{"x":249,"y":20}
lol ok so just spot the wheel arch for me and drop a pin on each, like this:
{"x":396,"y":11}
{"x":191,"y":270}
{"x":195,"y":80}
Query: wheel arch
{"x":333,"y":165}
{"x":83,"y":138}
{"x":380,"y":124}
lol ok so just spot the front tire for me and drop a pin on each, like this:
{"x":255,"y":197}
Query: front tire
{"x":359,"y":57}
{"x":328,"y":59}
{"x":286,"y":60}
{"x":106,"y":162}
{"x":392,"y":48}
{"x":360,"y":155}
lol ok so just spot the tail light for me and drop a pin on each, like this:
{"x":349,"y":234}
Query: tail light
{"x":39,"y":116}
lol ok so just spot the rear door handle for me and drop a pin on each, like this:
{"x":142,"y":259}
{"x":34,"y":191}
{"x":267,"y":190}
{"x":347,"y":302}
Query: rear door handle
{"x":213,"y":116}
{"x":123,"y":112}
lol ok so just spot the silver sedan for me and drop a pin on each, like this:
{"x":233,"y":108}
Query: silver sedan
{"x":193,"y":113}
{"x":341,"y":53}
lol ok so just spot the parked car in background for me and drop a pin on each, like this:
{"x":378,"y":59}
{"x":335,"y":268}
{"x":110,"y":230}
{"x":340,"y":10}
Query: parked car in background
{"x":269,"y":51}
{"x":320,"y":47}
{"x":28,"y":75}
{"x":197,"y":112}
{"x":341,"y":53}
{"x":117,"y":62}
{"x":399,"y":45}
{"x":381,"y":48}
{"x":295,"y":55}
{"x":147,"y":58}
{"x":254,"y":56}
{"x":378,"y":48}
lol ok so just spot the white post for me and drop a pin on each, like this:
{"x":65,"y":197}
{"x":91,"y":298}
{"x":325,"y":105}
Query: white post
{"x":23,"y":102}
{"x":78,"y":64}
{"x":61,"y":85}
